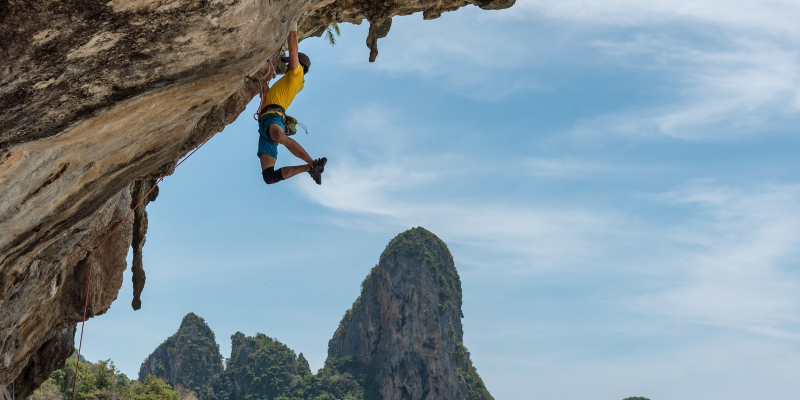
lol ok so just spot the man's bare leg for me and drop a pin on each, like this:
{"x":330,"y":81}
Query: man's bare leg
{"x":276,"y":133}
{"x":289,"y":172}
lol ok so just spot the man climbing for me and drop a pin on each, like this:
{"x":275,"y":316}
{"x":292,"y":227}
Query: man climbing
{"x":272,"y":116}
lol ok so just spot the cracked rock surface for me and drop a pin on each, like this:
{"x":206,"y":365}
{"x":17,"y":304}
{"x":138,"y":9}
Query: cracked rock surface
{"x":98,"y":95}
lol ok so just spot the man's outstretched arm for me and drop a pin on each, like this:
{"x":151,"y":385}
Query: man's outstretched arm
{"x":293,"y":60}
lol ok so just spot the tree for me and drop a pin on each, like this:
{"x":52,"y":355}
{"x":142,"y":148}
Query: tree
{"x":48,"y":391}
{"x":329,"y":33}
{"x":152,"y":389}
{"x":100,"y":381}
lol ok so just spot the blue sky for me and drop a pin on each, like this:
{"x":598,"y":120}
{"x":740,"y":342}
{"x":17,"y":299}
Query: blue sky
{"x":616,"y":180}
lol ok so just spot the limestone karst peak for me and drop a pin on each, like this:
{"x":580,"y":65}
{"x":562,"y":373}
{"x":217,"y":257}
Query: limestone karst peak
{"x":187,"y":360}
{"x":404,"y":331}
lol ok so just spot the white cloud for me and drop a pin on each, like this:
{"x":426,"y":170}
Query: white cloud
{"x":724,"y":93}
{"x":399,"y":188}
{"x":720,"y":368}
{"x":723,"y":262}
{"x":574,"y":168}
{"x":732,"y":66}
{"x":735,"y":63}
{"x":460,"y":52}
{"x":740,"y":251}
{"x":543,"y":237}
{"x":776,"y":17}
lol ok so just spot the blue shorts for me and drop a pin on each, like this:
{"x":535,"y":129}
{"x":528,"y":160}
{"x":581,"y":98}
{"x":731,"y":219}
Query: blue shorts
{"x":265,"y":144}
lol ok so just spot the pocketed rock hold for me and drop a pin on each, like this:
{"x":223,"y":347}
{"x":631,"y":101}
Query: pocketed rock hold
{"x":98,"y":94}
{"x":404,"y":332}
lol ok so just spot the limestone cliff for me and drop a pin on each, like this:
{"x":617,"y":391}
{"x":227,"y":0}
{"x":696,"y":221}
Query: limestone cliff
{"x":98,"y":98}
{"x":404,"y":332}
{"x":188,"y":360}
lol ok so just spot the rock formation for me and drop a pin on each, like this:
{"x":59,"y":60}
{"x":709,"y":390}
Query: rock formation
{"x":187,"y":360}
{"x":404,"y":332}
{"x":98,"y":95}
{"x":144,"y":191}
{"x":49,"y":357}
{"x":259,"y":368}
{"x":401,"y":340}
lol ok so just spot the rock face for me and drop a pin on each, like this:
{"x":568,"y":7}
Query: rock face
{"x":404,"y":332}
{"x":41,"y":300}
{"x":98,"y":96}
{"x":188,"y":360}
{"x":49,"y":357}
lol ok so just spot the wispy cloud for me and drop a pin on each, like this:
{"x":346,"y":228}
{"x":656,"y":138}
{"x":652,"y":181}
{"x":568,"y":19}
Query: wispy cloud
{"x":750,"y":87}
{"x":731,"y":68}
{"x":735,"y":65}
{"x":722,"y":261}
{"x":718,"y":368}
{"x":543,"y":237}
{"x":460,"y":53}
{"x":741,"y":247}
{"x":440,"y":192}
{"x":774,"y":17}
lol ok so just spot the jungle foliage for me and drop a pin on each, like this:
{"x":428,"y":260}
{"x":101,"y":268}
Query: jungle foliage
{"x":100,"y":381}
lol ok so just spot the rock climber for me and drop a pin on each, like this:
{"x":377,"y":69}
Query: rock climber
{"x":272,"y":125}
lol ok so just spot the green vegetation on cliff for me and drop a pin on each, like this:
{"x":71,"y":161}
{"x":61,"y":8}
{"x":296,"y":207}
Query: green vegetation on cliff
{"x":259,"y":368}
{"x":476,"y":390}
{"x":328,"y":384}
{"x":187,"y":360}
{"x":421,"y":245}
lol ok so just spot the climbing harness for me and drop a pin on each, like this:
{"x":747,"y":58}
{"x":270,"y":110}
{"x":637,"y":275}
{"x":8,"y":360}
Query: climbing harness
{"x":263,"y":86}
{"x":91,"y":259}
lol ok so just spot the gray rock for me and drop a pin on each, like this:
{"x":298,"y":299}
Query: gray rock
{"x":187,"y":360}
{"x":404,"y":332}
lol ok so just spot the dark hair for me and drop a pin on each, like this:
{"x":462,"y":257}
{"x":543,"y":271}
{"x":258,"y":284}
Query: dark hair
{"x":304,"y":61}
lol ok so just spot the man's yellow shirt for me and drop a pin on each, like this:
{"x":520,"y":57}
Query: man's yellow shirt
{"x":283,"y":91}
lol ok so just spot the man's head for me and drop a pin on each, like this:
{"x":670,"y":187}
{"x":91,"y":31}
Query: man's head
{"x":304,"y":61}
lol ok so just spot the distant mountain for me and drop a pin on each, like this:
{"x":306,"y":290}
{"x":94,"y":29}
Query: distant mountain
{"x":259,"y":368}
{"x":187,"y":360}
{"x":402,"y":339}
{"x":404,"y":333}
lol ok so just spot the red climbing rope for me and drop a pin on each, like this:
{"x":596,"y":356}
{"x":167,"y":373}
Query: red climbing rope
{"x":262,"y":91}
{"x":263,"y":87}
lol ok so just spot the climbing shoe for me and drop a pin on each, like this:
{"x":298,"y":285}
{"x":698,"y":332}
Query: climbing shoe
{"x":319,"y":164}
{"x":317,"y":168}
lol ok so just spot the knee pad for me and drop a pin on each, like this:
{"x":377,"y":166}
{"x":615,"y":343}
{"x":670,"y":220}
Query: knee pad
{"x":271,"y":175}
